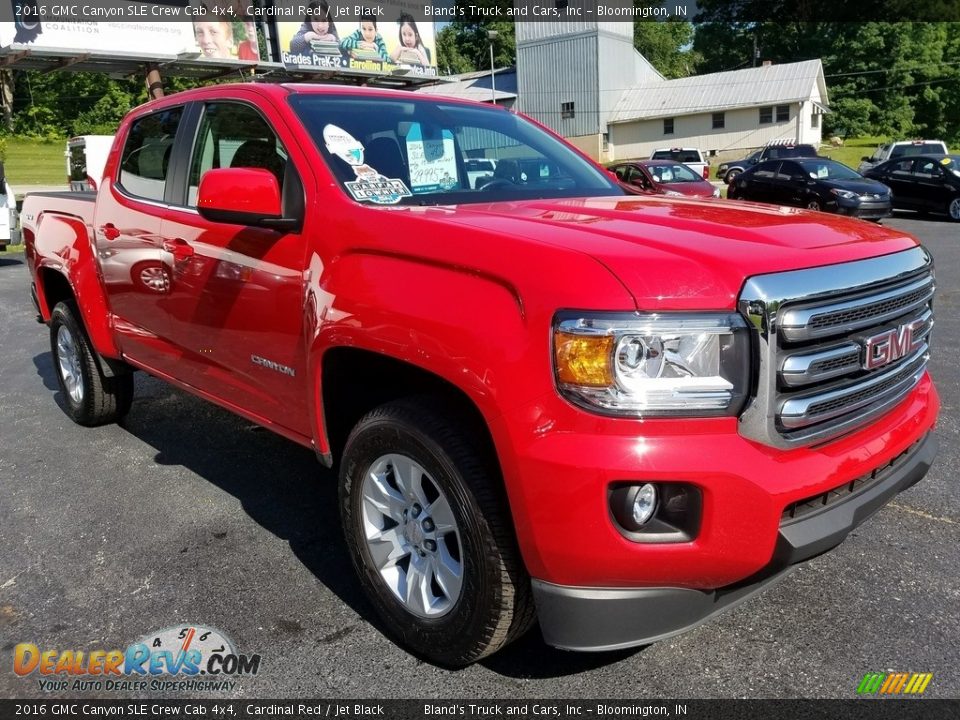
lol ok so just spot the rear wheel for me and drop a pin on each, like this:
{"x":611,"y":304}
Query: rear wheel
{"x":953,"y":209}
{"x":430,"y":536}
{"x":91,"y":397}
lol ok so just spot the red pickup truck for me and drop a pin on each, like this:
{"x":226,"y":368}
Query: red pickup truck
{"x":546,"y":398}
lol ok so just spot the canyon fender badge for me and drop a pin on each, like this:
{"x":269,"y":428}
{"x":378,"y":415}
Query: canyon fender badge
{"x":271,"y":365}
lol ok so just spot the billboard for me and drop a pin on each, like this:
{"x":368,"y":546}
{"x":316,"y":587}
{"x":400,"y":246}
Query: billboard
{"x":195,"y":28}
{"x":318,"y":41}
{"x":103,"y":36}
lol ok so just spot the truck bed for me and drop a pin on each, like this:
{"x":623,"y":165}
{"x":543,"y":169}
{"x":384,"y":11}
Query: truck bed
{"x":76,"y":204}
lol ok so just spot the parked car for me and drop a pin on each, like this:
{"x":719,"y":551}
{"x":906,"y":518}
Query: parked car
{"x":690,"y":157}
{"x":548,"y":401}
{"x":479,"y":168}
{"x":663,"y":177}
{"x":928,"y":183}
{"x":774,"y":150}
{"x":9,"y":232}
{"x":815,"y":184}
{"x":902,"y":148}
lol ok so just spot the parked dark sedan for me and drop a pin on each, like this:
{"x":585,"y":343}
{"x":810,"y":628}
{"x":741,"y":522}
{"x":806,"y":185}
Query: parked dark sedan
{"x":663,"y":177}
{"x":928,"y":183}
{"x":816,"y":184}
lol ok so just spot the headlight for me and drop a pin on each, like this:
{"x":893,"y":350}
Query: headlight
{"x":721,"y":170}
{"x":686,"y":364}
{"x":845,"y":194}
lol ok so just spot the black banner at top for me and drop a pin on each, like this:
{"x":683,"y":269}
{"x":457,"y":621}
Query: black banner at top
{"x":573,"y":11}
{"x":470,"y":709}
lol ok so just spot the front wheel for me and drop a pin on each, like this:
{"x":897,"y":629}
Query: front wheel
{"x":813,"y":205}
{"x":91,"y":397}
{"x":429,"y":534}
{"x":731,"y":176}
{"x":953,"y":209}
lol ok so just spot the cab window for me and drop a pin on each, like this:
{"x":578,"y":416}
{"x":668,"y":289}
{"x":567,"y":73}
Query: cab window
{"x":145,"y":161}
{"x":234,"y":135}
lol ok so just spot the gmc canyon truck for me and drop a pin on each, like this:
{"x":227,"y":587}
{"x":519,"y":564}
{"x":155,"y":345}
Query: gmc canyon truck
{"x":547,"y":398}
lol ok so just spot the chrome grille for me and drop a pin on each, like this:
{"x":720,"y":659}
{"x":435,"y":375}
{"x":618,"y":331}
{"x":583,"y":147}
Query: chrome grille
{"x":813,"y":330}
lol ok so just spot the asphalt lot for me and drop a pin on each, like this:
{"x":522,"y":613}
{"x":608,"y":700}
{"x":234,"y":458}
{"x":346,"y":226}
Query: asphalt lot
{"x":187,"y":514}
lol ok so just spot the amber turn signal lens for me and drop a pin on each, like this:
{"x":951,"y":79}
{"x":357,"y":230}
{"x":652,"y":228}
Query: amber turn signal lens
{"x":584,"y":360}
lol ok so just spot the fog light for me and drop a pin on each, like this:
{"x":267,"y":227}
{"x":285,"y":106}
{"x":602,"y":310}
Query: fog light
{"x":655,"y":512}
{"x":644,"y":504}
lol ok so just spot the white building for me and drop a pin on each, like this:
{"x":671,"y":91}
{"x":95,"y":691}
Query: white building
{"x":586,"y":81}
{"x":723,"y":111}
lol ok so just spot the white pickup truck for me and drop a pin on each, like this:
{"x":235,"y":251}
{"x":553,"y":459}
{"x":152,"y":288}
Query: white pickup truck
{"x":902,"y":148}
{"x":691,"y":157}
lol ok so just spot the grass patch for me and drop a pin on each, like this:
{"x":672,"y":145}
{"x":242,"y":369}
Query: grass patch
{"x":14,"y":249}
{"x":35,"y":162}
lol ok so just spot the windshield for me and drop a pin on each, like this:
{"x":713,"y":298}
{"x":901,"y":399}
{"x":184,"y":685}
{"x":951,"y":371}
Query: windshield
{"x":388,"y":151}
{"x":828,"y":170}
{"x":676,"y":173}
{"x":951,"y":163}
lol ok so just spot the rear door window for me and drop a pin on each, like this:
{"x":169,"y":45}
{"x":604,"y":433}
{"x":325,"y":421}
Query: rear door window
{"x":145,"y":162}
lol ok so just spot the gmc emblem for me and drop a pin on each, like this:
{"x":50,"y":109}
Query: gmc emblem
{"x":887,"y":347}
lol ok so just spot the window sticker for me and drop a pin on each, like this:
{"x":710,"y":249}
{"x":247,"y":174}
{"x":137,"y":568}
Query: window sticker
{"x":381,"y":190}
{"x":823,"y":171}
{"x":342,"y":144}
{"x":370,"y":185}
{"x":432,"y":162}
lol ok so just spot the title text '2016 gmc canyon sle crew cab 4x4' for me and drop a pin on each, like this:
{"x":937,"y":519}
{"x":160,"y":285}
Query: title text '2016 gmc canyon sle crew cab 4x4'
{"x":546,"y":398}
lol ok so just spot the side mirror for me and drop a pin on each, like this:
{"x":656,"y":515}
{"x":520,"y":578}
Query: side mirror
{"x":866,"y":158}
{"x":753,"y":161}
{"x":243,"y":196}
{"x":613,"y":176}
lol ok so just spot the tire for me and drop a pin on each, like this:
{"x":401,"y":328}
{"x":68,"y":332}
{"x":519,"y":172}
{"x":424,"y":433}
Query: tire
{"x":474,"y":594}
{"x":731,"y":176}
{"x":812,"y":205}
{"x":91,"y":397}
{"x":953,"y":209}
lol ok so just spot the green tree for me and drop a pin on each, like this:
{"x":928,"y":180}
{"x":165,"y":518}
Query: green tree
{"x":450,"y":61}
{"x":668,"y":45}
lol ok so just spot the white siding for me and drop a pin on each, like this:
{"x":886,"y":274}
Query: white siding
{"x":742,"y":130}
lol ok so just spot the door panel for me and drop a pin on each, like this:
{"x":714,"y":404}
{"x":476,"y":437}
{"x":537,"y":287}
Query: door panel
{"x":127,"y":226}
{"x":237,"y":292}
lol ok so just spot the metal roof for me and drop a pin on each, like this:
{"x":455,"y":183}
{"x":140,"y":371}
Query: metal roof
{"x":476,"y":85}
{"x":765,"y":85}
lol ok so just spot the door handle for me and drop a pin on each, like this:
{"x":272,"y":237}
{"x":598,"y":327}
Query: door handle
{"x":110,"y":231}
{"x":179,"y":247}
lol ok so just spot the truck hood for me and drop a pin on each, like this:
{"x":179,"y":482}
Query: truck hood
{"x":674,"y":253}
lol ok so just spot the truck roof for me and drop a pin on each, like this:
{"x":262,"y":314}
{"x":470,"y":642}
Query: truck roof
{"x":279,"y":91}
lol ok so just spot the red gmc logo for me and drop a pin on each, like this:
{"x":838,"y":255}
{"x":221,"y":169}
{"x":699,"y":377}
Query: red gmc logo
{"x":892,"y":345}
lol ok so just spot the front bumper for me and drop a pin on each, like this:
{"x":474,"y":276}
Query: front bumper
{"x":865,"y":210}
{"x":596,"y":619}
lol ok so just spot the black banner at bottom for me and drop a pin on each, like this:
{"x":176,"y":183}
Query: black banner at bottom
{"x":865,"y":709}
